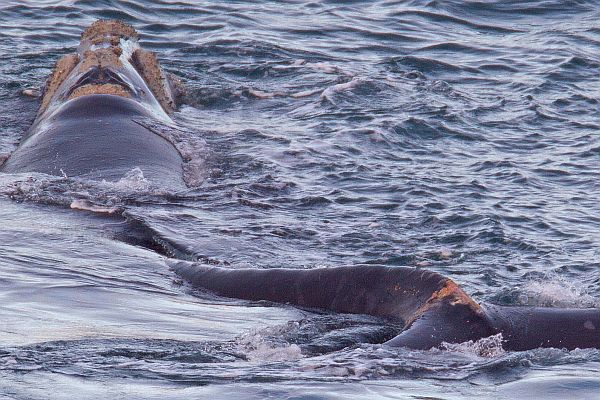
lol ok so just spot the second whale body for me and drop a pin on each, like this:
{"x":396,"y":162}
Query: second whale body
{"x":431,"y":308}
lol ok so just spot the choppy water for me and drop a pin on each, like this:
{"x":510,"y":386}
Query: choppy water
{"x":461,"y":136}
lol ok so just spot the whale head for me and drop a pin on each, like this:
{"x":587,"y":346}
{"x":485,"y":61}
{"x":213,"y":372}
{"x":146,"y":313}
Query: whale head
{"x":110,"y":61}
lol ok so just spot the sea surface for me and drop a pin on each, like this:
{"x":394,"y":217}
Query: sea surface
{"x":458,"y":136}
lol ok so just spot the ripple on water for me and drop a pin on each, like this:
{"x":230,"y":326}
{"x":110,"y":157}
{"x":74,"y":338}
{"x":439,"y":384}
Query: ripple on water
{"x":460,"y":136}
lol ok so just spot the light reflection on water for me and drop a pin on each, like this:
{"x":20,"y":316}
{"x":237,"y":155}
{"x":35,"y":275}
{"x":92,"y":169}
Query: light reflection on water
{"x":461,"y":137}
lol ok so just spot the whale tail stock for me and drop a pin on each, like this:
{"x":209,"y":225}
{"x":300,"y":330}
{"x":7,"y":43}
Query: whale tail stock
{"x":431,"y":307}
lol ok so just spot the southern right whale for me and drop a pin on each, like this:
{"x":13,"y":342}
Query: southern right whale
{"x":431,"y":307}
{"x":97,"y":112}
{"x":88,"y":125}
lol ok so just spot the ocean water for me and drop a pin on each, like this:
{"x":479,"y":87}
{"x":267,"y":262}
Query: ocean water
{"x":457,"y":136}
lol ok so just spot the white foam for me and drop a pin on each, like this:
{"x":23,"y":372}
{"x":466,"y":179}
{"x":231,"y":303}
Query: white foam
{"x":77,"y":193}
{"x":268,"y":352}
{"x":320,"y":66}
{"x":133,"y":181}
{"x":260,"y":345}
{"x":445,"y":254}
{"x":323,"y":67}
{"x":305,"y":93}
{"x":488,"y":347}
{"x":340,"y":87}
{"x":556,"y":291}
{"x":259,"y":94}
{"x":86,"y":205}
{"x":31,"y":92}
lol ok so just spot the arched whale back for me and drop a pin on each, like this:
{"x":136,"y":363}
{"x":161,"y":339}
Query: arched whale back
{"x":97,"y":137}
{"x":395,"y":293}
{"x":96,"y":112}
{"x":432,"y":308}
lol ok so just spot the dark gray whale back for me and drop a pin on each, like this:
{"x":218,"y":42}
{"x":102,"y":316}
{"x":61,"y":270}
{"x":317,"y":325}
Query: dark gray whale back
{"x":432,"y":308}
{"x":97,"y":137}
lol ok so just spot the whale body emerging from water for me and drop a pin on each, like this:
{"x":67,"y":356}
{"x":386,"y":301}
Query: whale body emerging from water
{"x":91,"y":124}
{"x":431,"y":307}
{"x":92,"y":121}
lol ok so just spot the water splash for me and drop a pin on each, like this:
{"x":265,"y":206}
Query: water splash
{"x":556,"y":291}
{"x":77,"y":193}
{"x":133,"y":181}
{"x":267,"y":345}
{"x":488,"y":347}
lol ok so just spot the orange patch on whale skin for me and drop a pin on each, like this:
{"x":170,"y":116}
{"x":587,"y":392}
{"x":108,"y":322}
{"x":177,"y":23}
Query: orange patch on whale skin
{"x":455,"y":295}
{"x":146,"y":63}
{"x":61,"y":70}
{"x":107,"y":88}
{"x":450,"y":293}
{"x":111,"y":40}
{"x":102,"y":30}
{"x":100,"y":48}
{"x":101,"y":58}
